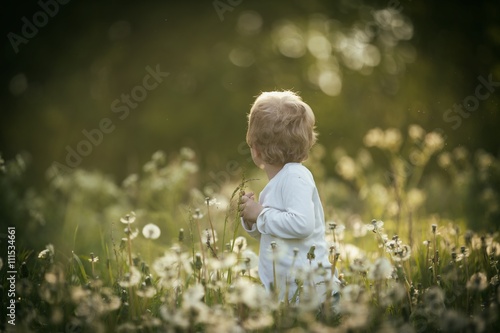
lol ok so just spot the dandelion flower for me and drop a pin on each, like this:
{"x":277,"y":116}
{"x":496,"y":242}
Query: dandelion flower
{"x":47,"y":253}
{"x":93,"y":259}
{"x":132,"y":233}
{"x":416,"y":132}
{"x":444,"y":160}
{"x":151,"y":231}
{"x":346,"y":167}
{"x":477,"y":282}
{"x":128,"y":218}
{"x":130,"y":279}
{"x":239,"y":244}
{"x":402,"y":253}
{"x":360,"y":265}
{"x":374,"y":137}
{"x":381,"y":269}
{"x":187,"y":153}
{"x":434,"y":141}
{"x":392,"y":139}
{"x":198,"y":215}
{"x":375,"y":225}
{"x":146,"y":291}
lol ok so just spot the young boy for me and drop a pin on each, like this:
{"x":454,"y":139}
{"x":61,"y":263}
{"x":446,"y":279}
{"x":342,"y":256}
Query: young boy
{"x":288,"y":219}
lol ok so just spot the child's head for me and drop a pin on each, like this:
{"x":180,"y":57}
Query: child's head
{"x":281,"y":127}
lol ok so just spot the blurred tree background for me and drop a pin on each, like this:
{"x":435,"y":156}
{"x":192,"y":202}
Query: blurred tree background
{"x":359,"y":64}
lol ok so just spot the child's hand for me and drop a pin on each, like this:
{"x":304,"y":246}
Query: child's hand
{"x":249,"y":209}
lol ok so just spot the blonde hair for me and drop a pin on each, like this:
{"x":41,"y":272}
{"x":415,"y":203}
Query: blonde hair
{"x":281,"y":127}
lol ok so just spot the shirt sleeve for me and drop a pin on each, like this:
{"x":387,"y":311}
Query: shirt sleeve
{"x":296,"y":220}
{"x":253,"y":232}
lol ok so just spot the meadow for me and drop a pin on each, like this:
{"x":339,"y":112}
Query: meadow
{"x":411,"y":228}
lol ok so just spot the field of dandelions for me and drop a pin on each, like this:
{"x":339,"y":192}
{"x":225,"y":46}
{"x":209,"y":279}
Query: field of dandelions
{"x":413,"y":237}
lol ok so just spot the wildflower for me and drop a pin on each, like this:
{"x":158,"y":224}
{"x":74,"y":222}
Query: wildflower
{"x":146,"y":291}
{"x":358,"y":229}
{"x":444,"y":160}
{"x":402,"y":253}
{"x":47,"y":253}
{"x":187,"y":153}
{"x":198,"y":215}
{"x":392,"y":139}
{"x":158,"y":157}
{"x":251,"y":259}
{"x":477,"y":282}
{"x":493,"y":249}
{"x":207,"y":236}
{"x":181,"y":235}
{"x":130,"y":181}
{"x":374,"y":137}
{"x":239,"y":244}
{"x":131,"y":278}
{"x":381,"y":269}
{"x":151,"y":231}
{"x":434,"y":141}
{"x":375,"y":226}
{"x":360,"y":265}
{"x":93,"y":259}
{"x":346,"y":167}
{"x":128,"y":218}
{"x":416,"y":132}
{"x":434,"y":228}
{"x":252,"y":295}
{"x":392,"y":245}
{"x":131,"y":233}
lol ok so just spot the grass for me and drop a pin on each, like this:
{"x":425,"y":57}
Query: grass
{"x":157,"y":255}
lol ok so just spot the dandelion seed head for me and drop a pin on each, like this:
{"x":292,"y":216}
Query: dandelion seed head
{"x":477,"y":282}
{"x":239,"y":244}
{"x":444,"y":160}
{"x":416,"y":132}
{"x":392,"y":139}
{"x":131,"y":278}
{"x":93,"y":259}
{"x":128,"y":218}
{"x":434,"y":141}
{"x":381,"y":269}
{"x":346,"y":167}
{"x":48,"y":252}
{"x":374,"y":137}
{"x":198,"y":215}
{"x":401,"y":253}
{"x":131,"y":233}
{"x":151,"y":231}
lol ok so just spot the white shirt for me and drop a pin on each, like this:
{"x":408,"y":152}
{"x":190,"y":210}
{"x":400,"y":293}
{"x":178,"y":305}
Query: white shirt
{"x":293,"y":218}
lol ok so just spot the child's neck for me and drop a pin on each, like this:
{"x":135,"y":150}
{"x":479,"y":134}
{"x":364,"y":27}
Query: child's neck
{"x":272,"y":170}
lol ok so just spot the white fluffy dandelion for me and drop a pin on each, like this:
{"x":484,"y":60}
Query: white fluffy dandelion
{"x":151,"y":231}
